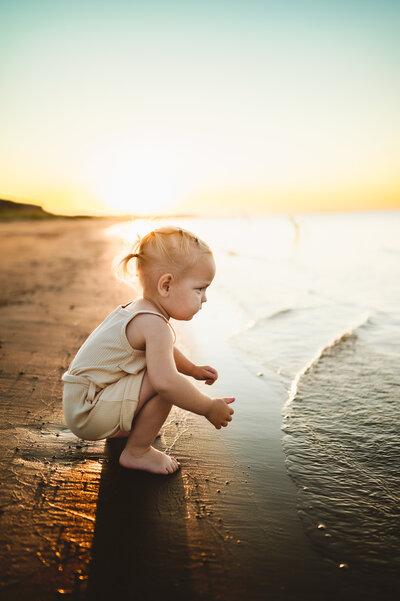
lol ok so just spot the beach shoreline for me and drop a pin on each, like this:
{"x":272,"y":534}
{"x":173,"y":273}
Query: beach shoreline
{"x":74,"y":523}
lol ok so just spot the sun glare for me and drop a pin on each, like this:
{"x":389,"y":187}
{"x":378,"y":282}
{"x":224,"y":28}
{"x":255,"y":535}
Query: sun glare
{"x":237,"y":112}
{"x":140,"y":179}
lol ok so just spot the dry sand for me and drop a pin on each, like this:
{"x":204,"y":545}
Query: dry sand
{"x":74,"y":524}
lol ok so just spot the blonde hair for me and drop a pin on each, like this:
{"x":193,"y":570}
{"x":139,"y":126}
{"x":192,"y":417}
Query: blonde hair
{"x":168,"y":247}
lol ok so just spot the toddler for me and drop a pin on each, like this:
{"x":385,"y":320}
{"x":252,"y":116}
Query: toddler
{"x":126,"y":376}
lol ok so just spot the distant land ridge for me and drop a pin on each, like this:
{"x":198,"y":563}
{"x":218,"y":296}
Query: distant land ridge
{"x":17,"y":211}
{"x":10,"y":211}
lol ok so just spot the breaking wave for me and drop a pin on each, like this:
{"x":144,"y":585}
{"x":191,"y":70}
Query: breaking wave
{"x":343,"y":450}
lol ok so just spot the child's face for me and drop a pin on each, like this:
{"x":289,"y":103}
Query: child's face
{"x":187,"y":294}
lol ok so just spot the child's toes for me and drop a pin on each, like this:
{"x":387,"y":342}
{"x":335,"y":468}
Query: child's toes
{"x":172,"y":468}
{"x":175,"y":464}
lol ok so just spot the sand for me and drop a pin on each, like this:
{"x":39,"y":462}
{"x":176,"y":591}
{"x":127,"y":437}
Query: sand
{"x":74,"y":524}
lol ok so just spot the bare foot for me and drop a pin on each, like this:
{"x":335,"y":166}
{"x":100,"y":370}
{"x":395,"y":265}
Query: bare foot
{"x":149,"y":461}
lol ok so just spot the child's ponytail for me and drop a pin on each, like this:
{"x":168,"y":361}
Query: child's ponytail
{"x":121,"y":266}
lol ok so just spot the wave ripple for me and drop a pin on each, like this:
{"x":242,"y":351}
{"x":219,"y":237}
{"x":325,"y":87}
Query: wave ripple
{"x":343,"y":451}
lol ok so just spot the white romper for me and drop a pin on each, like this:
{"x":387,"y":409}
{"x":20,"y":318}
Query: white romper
{"x":102,"y":384}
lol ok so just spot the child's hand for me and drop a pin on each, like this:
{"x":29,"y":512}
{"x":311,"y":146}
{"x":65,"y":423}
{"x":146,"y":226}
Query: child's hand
{"x":220,"y":414}
{"x":205,"y":372}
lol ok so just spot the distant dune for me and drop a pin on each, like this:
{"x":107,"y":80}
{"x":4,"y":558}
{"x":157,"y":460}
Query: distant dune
{"x":16,"y":211}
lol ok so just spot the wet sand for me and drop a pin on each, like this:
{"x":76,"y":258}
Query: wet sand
{"x":74,"y":524}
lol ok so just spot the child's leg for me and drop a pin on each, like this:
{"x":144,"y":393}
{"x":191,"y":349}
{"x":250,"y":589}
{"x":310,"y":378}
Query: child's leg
{"x":146,"y":393}
{"x":150,"y":415}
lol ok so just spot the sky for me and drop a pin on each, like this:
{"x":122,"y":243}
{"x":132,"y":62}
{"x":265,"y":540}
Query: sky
{"x":213,"y":106}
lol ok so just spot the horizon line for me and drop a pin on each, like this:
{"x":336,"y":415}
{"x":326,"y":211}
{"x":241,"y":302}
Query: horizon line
{"x":191,"y":215}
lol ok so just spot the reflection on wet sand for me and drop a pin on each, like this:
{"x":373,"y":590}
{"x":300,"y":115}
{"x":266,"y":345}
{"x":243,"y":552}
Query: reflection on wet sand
{"x":140,"y":521}
{"x":167,"y":535}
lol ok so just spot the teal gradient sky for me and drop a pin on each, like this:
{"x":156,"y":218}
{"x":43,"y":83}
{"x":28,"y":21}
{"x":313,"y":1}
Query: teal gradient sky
{"x":157,"y":106}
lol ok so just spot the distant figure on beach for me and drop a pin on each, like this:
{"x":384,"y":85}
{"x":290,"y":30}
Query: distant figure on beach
{"x":127,"y":374}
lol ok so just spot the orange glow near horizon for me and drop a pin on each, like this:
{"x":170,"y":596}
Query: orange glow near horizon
{"x":258,"y":109}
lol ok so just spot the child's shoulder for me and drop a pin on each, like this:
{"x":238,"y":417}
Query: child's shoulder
{"x":148,"y":320}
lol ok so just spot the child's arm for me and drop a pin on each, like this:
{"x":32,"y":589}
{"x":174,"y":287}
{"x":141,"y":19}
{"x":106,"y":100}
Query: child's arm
{"x":170,"y":384}
{"x":199,"y":372}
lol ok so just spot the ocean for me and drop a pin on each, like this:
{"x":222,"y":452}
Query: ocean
{"x":317,"y":304}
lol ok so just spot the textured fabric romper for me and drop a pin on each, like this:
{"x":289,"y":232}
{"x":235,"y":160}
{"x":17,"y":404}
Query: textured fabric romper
{"x":102,"y":384}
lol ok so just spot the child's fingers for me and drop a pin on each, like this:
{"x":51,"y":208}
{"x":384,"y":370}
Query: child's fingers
{"x":211,"y":372}
{"x":229,"y":400}
{"x":210,"y":376}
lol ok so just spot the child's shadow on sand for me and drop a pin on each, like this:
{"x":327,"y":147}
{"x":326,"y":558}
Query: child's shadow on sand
{"x":140,"y":549}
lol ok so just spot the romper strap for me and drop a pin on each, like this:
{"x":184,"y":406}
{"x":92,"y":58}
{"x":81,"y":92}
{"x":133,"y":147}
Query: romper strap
{"x":91,"y":392}
{"x":73,"y":379}
{"x":91,"y":386}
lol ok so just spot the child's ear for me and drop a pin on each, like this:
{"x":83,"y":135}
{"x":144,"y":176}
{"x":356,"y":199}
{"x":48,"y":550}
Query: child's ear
{"x":164,"y":284}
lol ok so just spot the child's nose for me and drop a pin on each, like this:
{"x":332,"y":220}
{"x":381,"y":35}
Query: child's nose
{"x":204,"y":298}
